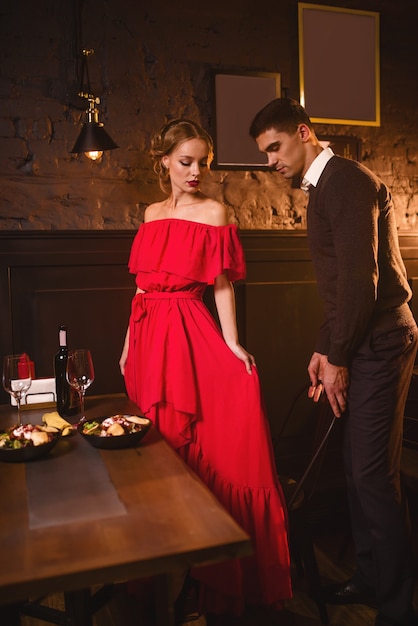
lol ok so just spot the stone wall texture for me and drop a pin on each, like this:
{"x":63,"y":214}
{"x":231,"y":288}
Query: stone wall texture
{"x":153,"y":62}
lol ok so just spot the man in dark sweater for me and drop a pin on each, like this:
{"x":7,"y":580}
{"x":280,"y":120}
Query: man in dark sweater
{"x":366,"y":347}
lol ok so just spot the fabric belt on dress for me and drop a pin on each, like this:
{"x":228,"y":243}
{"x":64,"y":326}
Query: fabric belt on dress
{"x":139,"y":306}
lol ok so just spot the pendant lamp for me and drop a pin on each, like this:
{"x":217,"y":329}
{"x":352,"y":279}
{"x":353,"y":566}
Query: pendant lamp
{"x":93,"y":140}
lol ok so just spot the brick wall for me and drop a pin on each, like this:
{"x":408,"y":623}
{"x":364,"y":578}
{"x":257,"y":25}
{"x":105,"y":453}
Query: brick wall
{"x":152,"y":62}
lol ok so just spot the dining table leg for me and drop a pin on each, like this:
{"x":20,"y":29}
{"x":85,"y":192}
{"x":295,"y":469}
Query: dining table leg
{"x":163,"y":600}
{"x":78,"y":608}
{"x":10,"y":615}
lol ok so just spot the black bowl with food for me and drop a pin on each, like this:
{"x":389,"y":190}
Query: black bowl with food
{"x":115,"y":431}
{"x":27,"y":442}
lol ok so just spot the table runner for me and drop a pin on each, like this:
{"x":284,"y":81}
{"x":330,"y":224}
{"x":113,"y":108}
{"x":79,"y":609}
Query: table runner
{"x":71,"y":484}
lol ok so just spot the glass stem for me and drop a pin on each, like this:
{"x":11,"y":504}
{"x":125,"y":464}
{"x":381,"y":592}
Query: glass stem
{"x":82,"y":394}
{"x":19,"y":417}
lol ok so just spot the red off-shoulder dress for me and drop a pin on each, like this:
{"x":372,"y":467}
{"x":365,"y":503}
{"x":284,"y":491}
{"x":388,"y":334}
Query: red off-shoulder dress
{"x":198,"y":394}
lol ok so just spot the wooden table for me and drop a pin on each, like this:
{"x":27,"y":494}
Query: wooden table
{"x":167,"y":519}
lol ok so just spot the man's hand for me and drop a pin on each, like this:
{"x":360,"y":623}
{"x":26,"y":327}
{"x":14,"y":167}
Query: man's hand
{"x":333,"y":379}
{"x":315,"y":369}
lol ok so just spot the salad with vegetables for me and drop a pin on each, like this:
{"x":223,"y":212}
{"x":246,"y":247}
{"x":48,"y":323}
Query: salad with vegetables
{"x":26,"y":435}
{"x":115,"y":425}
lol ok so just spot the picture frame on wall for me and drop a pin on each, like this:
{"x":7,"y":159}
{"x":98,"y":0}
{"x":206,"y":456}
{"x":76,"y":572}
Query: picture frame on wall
{"x":339,"y":64}
{"x":347,"y":147}
{"x":237,"y":99}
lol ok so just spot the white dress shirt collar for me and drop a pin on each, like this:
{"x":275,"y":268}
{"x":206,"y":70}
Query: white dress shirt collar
{"x":316,"y":168}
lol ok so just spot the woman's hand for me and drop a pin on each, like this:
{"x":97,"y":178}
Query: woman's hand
{"x":243,"y":355}
{"x":225,"y":304}
{"x":124,"y":355}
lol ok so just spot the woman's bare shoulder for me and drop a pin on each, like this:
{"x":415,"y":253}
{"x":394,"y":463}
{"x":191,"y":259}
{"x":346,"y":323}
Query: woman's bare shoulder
{"x":216,"y":213}
{"x":153,"y":211}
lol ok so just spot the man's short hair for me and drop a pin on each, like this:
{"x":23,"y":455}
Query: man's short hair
{"x":282,"y":114}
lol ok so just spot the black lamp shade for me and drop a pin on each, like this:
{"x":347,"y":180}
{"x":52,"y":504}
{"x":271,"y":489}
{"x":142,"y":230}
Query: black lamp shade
{"x":93,"y":137}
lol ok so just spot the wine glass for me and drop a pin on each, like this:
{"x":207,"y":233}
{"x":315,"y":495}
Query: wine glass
{"x":80,"y":373}
{"x":17,"y":378}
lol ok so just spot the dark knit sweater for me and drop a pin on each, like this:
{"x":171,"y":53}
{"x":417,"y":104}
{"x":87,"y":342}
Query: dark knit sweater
{"x":354,"y":246}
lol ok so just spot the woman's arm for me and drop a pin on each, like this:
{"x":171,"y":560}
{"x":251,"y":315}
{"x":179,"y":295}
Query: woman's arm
{"x":124,"y":355}
{"x":225,"y":305}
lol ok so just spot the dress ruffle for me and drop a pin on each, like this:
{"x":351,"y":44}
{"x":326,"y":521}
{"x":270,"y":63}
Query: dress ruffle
{"x":251,"y":492}
{"x":262,"y":575}
{"x":211,"y":250}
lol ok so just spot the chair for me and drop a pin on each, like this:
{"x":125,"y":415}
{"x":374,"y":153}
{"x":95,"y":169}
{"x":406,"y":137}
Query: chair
{"x":79,"y":607}
{"x":299,"y":476}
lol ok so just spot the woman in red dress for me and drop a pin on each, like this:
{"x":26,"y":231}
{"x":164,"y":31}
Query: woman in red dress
{"x":194,"y":380}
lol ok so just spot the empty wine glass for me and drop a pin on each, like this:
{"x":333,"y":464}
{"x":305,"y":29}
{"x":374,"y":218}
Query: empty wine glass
{"x":17,"y":378}
{"x":80,"y":373}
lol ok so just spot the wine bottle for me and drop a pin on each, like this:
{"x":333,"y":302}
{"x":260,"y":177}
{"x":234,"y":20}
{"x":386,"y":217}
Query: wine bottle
{"x":66,"y":398}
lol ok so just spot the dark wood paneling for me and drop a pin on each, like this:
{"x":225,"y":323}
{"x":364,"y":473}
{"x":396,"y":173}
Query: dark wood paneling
{"x":283,"y":312}
{"x":81,"y":279}
{"x":281,"y":323}
{"x":77,"y":279}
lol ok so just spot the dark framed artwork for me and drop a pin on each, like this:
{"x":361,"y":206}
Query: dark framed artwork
{"x":348,"y":147}
{"x":237,"y":98}
{"x":339,"y":64}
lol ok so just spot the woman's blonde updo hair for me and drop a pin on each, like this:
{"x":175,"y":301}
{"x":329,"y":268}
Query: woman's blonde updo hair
{"x":168,"y":139}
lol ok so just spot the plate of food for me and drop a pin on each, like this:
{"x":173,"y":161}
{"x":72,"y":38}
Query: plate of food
{"x":27,"y":442}
{"x":114,"y":431}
